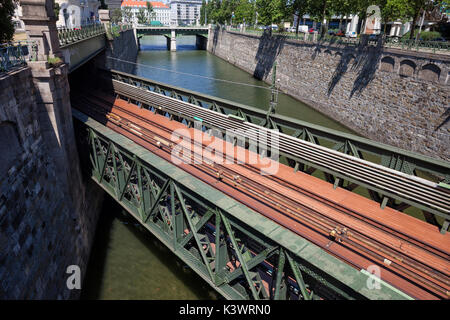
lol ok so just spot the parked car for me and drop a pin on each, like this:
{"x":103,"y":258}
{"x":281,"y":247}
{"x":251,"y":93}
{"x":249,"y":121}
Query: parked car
{"x":290,"y":29}
{"x":303,"y":28}
{"x":351,"y":34}
{"x":340,"y":33}
{"x":312,"y":30}
{"x":274,"y":27}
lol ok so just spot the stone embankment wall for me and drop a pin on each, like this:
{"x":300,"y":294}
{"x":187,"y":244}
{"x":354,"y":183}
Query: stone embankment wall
{"x":48,"y":209}
{"x":392,"y":96}
{"x":124,"y":47}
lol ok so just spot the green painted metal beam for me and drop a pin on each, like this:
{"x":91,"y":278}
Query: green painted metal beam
{"x":240,"y":234}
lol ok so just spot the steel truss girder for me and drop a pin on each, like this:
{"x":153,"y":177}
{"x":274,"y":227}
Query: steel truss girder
{"x":388,"y":156}
{"x":232,"y":257}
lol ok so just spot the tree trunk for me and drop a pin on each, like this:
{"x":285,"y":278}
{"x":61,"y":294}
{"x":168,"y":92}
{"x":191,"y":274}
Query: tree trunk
{"x":322,"y":26}
{"x":298,"y":23}
{"x":413,"y":25}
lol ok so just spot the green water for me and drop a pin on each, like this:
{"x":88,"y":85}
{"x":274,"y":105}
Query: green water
{"x":127,"y":262}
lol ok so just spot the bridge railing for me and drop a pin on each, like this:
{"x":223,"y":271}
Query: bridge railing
{"x":114,"y":30}
{"x":230,"y":246}
{"x":389,"y":42}
{"x":69,"y":36}
{"x":17,"y":53}
{"x":408,"y":44}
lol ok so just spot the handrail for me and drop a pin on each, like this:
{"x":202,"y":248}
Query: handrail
{"x":68,"y":36}
{"x":17,"y":53}
{"x":389,"y":42}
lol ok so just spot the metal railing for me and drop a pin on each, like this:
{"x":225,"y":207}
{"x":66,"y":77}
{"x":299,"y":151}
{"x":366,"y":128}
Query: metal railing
{"x":390,"y":42}
{"x":17,"y":53}
{"x":68,"y":36}
{"x":408,"y":44}
{"x":114,"y":30}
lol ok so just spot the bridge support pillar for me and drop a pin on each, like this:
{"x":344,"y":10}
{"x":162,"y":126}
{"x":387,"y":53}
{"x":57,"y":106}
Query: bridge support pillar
{"x":171,"y":41}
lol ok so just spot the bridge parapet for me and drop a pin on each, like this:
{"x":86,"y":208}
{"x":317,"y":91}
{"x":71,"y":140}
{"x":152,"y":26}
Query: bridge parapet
{"x":69,"y":36}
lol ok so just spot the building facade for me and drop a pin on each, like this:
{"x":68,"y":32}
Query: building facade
{"x":161,"y":12}
{"x":76,"y":13}
{"x":185,"y":12}
{"x":113,"y":4}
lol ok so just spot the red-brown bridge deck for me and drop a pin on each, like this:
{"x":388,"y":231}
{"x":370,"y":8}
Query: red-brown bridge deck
{"x":402,"y":234}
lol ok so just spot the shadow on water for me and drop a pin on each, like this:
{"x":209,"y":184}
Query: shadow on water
{"x":91,"y":287}
{"x":176,"y":270}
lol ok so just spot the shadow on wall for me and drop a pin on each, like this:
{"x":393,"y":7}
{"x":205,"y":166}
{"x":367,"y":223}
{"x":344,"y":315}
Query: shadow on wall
{"x":215,"y":38}
{"x":445,"y":115}
{"x":268,"y":50}
{"x":364,"y":63}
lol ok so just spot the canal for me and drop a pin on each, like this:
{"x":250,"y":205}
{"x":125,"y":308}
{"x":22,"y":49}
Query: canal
{"x":127,"y":262}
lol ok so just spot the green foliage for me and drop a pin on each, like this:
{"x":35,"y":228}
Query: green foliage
{"x":6,"y":24}
{"x":142,"y":16}
{"x":150,"y":11}
{"x":127,"y":14}
{"x":425,"y":35}
{"x":54,"y":61}
{"x":116,"y":16}
{"x":56,"y":9}
{"x":271,"y":11}
{"x":268,"y":12}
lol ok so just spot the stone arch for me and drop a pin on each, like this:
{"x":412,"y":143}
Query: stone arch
{"x":387,"y":64}
{"x":407,"y":68}
{"x":10,"y":146}
{"x":430,"y":72}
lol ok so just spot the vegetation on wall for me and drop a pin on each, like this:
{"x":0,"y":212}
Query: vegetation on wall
{"x":6,"y":24}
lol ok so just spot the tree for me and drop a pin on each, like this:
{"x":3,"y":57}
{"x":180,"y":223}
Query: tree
{"x":150,"y":11}
{"x":298,"y":8}
{"x":271,"y":11}
{"x":56,"y":9}
{"x":203,"y":9}
{"x":416,"y":7}
{"x":321,"y":10}
{"x":244,"y":12}
{"x":127,"y":14}
{"x":142,"y":16}
{"x":116,"y":16}
{"x":392,"y":10}
{"x":6,"y":24}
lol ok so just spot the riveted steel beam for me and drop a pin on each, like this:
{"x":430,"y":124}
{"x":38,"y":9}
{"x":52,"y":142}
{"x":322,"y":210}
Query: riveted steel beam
{"x":394,"y":158}
{"x":189,"y":216}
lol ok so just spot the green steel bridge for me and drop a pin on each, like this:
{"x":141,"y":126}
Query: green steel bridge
{"x":168,"y":201}
{"x":172,"y":32}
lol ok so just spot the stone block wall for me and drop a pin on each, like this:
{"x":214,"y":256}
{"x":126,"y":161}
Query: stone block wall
{"x":392,"y":96}
{"x":124,"y":47}
{"x":48,"y":209}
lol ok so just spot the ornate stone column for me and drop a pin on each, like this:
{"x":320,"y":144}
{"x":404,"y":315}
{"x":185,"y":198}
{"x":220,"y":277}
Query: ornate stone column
{"x":40,"y":25}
